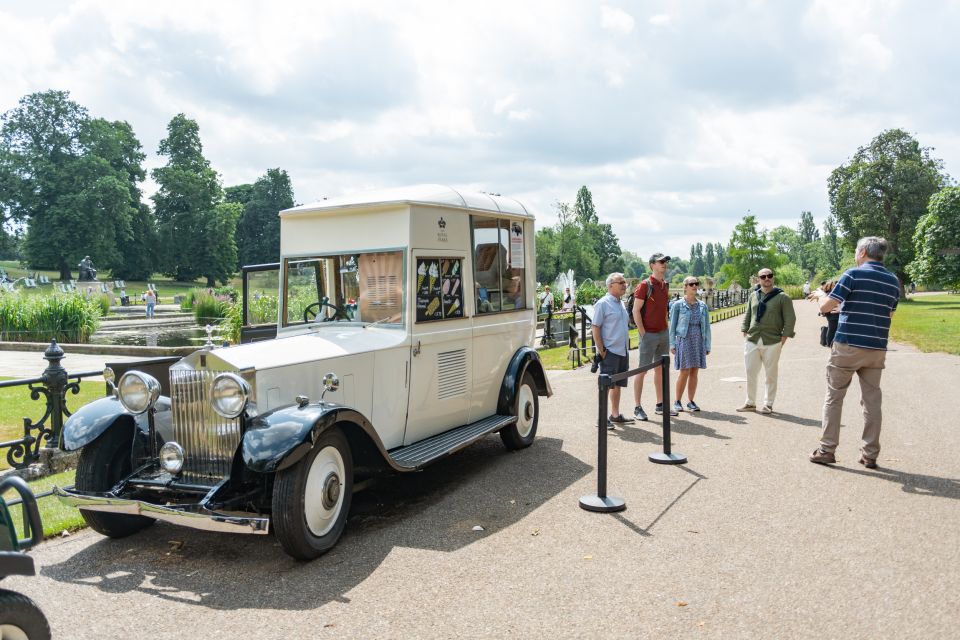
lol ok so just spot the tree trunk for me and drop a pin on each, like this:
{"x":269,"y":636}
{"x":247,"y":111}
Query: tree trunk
{"x":65,"y":274}
{"x":211,"y":282}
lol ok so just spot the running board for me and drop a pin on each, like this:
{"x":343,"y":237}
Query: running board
{"x":416,"y":456}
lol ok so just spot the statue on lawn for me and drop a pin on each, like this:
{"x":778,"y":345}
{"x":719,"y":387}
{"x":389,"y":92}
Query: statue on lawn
{"x":87,"y":272}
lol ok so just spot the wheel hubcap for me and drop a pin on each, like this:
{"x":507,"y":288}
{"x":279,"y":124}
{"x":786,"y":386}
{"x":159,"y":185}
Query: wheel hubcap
{"x":331,"y":491}
{"x":323,"y":493}
{"x":526,"y":411}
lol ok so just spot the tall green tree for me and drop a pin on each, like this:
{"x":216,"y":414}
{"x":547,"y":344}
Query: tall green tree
{"x":937,"y":242}
{"x":787,"y":243}
{"x":810,"y":248}
{"x":750,"y":250}
{"x":709,"y":260}
{"x":73,"y":180}
{"x":832,"y":253}
{"x":585,"y":212}
{"x":196,"y":227}
{"x":258,"y":233}
{"x":722,"y":257}
{"x":883,"y":190}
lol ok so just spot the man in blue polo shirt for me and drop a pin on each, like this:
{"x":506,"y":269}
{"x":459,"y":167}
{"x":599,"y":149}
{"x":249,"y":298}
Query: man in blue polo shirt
{"x":867,"y":295}
{"x":611,"y":338}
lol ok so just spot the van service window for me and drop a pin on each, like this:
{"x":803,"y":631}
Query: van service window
{"x":439,"y":288}
{"x":498,"y":264}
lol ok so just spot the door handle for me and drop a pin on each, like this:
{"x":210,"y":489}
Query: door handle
{"x":416,"y":349}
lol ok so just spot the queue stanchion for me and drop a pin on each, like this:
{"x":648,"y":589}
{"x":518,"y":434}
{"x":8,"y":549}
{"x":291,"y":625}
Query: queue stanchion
{"x":667,"y":456}
{"x":602,"y":502}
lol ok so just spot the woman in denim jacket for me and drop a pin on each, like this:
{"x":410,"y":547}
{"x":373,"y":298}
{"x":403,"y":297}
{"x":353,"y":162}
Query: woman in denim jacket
{"x":689,"y":341}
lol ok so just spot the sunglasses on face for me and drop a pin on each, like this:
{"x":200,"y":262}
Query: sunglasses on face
{"x":693,"y":284}
{"x":766,"y":276}
{"x":662,"y":261}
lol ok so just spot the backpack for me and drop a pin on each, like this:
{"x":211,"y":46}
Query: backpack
{"x":634,"y":297}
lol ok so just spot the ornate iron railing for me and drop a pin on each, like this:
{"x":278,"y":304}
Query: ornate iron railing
{"x":52,"y":386}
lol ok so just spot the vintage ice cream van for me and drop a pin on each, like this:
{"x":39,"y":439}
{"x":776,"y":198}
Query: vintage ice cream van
{"x":396,"y":330}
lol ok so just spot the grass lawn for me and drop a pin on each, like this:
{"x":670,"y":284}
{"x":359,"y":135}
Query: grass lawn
{"x":166,"y":288}
{"x":931,"y":323}
{"x":16,"y":404}
{"x":55,"y":515}
{"x":556,"y":358}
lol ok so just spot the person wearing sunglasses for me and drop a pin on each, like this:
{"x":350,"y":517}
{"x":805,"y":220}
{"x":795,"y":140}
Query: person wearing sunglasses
{"x":650,"y":310}
{"x":766,"y":325}
{"x":689,"y":341}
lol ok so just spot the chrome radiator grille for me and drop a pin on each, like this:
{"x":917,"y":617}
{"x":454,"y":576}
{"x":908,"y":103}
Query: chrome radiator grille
{"x":208,"y":439}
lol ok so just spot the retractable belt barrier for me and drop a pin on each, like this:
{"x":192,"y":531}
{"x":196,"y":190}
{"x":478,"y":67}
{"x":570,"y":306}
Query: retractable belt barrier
{"x":601,"y":501}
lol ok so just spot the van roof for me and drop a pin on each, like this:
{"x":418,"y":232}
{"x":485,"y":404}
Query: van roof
{"x":425,"y":194}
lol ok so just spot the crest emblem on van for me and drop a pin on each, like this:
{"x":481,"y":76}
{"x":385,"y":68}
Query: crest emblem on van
{"x":441,"y":230}
{"x":442,"y":223}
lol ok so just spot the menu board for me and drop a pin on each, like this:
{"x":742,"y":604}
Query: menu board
{"x":439,"y":288}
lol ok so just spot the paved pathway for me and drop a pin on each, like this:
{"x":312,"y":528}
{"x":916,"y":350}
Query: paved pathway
{"x":747,"y":540}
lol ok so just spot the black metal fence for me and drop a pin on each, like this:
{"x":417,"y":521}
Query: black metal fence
{"x":52,"y":386}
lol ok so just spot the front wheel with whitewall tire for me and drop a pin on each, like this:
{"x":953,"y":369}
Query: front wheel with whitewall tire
{"x":526,"y":408}
{"x":312,"y":498}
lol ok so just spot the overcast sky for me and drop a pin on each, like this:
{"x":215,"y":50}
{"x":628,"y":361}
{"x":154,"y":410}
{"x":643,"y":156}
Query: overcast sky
{"x":680,"y":116}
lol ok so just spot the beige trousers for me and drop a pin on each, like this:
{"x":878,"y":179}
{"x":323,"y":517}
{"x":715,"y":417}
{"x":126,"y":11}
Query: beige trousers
{"x":868,"y":365}
{"x":767,"y":356}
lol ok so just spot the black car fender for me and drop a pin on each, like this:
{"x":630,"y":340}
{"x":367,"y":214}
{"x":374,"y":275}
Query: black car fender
{"x":91,"y":420}
{"x":279,"y":439}
{"x":523,"y":360}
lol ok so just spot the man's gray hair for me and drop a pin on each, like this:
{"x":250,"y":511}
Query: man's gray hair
{"x":874,"y":247}
{"x":613,"y":276}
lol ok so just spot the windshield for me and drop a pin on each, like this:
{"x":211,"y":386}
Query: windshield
{"x":351,"y":287}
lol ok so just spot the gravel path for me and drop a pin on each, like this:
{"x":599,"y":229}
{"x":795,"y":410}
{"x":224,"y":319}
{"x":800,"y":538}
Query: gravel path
{"x":747,"y":540}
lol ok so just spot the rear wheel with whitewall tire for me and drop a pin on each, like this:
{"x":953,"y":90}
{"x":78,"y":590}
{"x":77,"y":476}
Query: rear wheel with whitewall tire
{"x":526,"y":408}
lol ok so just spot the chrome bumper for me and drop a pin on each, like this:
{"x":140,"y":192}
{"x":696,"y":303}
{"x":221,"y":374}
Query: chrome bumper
{"x":194,"y":516}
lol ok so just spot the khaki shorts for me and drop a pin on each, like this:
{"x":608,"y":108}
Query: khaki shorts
{"x":653,"y":346}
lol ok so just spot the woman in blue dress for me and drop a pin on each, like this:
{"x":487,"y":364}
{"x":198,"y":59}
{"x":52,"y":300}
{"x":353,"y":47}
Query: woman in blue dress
{"x":689,"y":341}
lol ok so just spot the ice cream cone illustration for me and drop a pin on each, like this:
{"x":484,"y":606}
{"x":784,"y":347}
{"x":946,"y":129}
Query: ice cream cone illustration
{"x":454,"y":306}
{"x":421,"y":274}
{"x":433,"y":274}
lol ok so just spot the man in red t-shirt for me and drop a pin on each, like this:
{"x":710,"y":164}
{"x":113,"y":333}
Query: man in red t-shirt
{"x":650,"y":315}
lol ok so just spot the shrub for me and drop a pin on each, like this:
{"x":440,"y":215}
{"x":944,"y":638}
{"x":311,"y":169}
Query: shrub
{"x":64,"y":318}
{"x":232,"y":322}
{"x":209,"y":308}
{"x":103,"y":301}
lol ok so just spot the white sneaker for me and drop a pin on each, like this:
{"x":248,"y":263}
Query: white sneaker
{"x":746,"y":406}
{"x":765,"y":409}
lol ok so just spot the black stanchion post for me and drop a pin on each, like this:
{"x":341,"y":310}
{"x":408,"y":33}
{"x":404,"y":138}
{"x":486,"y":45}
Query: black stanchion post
{"x":668,"y":456}
{"x":602,"y":502}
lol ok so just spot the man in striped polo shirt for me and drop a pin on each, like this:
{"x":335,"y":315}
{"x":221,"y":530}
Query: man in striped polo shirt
{"x":868,"y":294}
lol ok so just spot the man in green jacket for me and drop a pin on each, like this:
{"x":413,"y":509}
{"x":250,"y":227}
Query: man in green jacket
{"x":767,"y":324}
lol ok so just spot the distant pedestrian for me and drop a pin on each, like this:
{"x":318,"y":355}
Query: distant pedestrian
{"x":568,"y":302}
{"x":611,"y":339}
{"x":832,"y":317}
{"x":650,"y":316}
{"x":766,"y":325}
{"x":869,"y":294}
{"x":546,"y":300}
{"x":151,"y":299}
{"x":806,"y":288}
{"x":689,"y":341}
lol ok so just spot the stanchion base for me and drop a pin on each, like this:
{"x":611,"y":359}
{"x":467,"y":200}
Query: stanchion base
{"x":606,"y":504}
{"x":667,"y":458}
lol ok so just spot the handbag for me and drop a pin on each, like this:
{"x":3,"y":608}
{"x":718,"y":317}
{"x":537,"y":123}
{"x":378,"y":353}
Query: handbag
{"x":824,"y":330}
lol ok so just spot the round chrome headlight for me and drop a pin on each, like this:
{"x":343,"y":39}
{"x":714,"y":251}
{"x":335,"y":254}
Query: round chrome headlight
{"x":138,"y":391}
{"x":228,"y":394}
{"x":171,"y":457}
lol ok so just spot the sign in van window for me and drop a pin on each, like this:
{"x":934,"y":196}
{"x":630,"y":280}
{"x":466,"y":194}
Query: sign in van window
{"x":439,"y":289}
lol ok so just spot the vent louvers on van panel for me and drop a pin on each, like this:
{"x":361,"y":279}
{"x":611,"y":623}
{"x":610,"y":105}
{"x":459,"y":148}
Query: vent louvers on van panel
{"x":451,"y":374}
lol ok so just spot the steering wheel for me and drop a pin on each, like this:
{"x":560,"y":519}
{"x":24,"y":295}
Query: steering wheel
{"x":310,"y":313}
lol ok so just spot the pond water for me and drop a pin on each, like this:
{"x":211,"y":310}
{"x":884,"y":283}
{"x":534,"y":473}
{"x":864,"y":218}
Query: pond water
{"x":173,"y":336}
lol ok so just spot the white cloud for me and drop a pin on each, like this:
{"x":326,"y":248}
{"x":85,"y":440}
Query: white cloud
{"x":616,"y":20}
{"x":678,"y":127}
